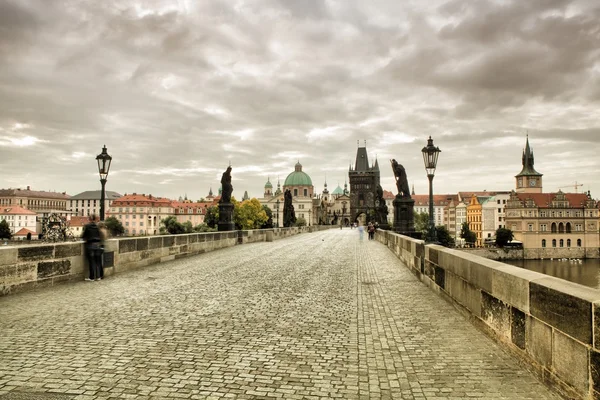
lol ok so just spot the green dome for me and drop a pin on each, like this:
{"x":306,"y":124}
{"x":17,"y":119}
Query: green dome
{"x":268,"y":184}
{"x":338,"y":190}
{"x":298,"y":178}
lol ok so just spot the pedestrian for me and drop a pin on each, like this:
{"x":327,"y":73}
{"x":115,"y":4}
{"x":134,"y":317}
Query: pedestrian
{"x":93,"y":249}
{"x":361,"y":231}
{"x":371,"y":231}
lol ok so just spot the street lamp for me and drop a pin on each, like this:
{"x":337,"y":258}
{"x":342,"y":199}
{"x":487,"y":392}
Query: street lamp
{"x":103,"y":166}
{"x":430,"y":157}
{"x":277,"y":208}
{"x":309,"y":216}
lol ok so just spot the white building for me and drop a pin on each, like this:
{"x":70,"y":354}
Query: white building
{"x":88,"y":203}
{"x":19,"y":218}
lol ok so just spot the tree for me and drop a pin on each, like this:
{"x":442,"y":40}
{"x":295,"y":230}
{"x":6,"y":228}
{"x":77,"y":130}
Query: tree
{"x":249,"y":214}
{"x":4,"y":230}
{"x":188,"y":227}
{"x":172,"y":225}
{"x":212,"y":216}
{"x":467,"y":234}
{"x":444,"y":237}
{"x":269,"y":223}
{"x":204,"y":228}
{"x":300,"y":222}
{"x":503,"y":236}
{"x":114,"y":226}
{"x":421,"y":222}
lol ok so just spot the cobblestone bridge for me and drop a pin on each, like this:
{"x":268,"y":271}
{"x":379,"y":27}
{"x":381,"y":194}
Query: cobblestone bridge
{"x":315,"y":316}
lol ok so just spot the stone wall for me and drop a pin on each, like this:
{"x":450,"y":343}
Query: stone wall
{"x":496,"y":253}
{"x":32,"y":266}
{"x":550,"y":323}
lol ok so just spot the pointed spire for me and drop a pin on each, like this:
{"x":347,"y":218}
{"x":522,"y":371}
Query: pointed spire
{"x":413,"y":190}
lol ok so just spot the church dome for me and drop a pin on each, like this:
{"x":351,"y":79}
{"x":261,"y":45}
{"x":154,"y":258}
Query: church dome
{"x":338,"y":191}
{"x":268,"y":184}
{"x":298,"y":178}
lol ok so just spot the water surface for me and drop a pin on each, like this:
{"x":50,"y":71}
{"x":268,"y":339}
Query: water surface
{"x":584,"y":272}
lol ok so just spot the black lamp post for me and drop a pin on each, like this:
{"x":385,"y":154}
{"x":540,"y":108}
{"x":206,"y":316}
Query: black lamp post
{"x":277,"y":208}
{"x":103,"y":166}
{"x":430,"y":157}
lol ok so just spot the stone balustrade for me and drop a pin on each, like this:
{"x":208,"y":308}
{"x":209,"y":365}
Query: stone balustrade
{"x":32,"y":266}
{"x":551,"y":324}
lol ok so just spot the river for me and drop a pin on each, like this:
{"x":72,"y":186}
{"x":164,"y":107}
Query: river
{"x":584,"y":272}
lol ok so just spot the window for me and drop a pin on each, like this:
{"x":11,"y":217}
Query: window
{"x":295,"y":192}
{"x":578,"y":227}
{"x":499,"y":210}
{"x":578,"y":242}
{"x":568,"y":228}
{"x":543,"y":227}
{"x":562,"y":243}
{"x":553,"y":228}
{"x":568,"y":242}
{"x":530,"y":227}
{"x":543,"y":242}
{"x":126,"y":223}
{"x":561,"y":228}
{"x":542,"y":213}
{"x":553,"y":242}
{"x":305,"y":192}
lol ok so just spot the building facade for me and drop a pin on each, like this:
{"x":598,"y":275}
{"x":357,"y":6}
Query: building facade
{"x":551,"y":225}
{"x":141,"y":214}
{"x":19,"y":218}
{"x":41,"y":202}
{"x":87,"y":203}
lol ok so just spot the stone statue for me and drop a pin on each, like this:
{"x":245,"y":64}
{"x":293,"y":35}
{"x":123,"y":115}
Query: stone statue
{"x":382,"y":210}
{"x":401,"y":179}
{"x":289,"y":216}
{"x":227,"y":187}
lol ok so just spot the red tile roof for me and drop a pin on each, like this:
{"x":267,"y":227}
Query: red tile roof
{"x":544,"y":200}
{"x":78,"y":221}
{"x":15,"y":210}
{"x":141,"y":200}
{"x":388,"y":195}
{"x":24,"y":232}
{"x":438,"y":199}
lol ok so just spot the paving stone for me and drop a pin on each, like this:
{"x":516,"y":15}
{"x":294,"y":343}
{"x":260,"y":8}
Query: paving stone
{"x":314,"y":316}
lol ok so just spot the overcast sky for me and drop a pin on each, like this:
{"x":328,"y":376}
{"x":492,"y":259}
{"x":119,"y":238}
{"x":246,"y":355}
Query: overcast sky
{"x":178,"y":89}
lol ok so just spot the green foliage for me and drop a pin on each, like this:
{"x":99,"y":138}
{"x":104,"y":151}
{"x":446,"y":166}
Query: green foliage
{"x":204,"y":228}
{"x":114,"y":226}
{"x":467,"y":234}
{"x":300,"y":222}
{"x":172,"y":225}
{"x":421,"y":222}
{"x":4,"y":230}
{"x":212,"y":216}
{"x":444,"y":237}
{"x":503,"y":236}
{"x":188,"y":227}
{"x":249,"y":214}
{"x":269,"y":222}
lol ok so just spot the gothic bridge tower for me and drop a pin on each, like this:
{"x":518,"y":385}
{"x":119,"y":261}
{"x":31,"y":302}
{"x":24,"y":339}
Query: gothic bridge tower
{"x":364,"y":180}
{"x":528,"y":180}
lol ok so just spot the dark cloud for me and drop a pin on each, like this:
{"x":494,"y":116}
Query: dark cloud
{"x":176,"y":90}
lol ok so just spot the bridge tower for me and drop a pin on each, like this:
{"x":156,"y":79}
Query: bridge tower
{"x":364,"y":180}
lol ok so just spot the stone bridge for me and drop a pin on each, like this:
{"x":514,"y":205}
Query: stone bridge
{"x":316,"y":315}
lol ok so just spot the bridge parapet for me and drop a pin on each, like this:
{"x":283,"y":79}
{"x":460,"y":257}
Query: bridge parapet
{"x":552,"y":324}
{"x":28,"y":267}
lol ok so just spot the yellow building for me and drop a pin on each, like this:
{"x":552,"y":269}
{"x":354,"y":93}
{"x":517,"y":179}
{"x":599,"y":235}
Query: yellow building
{"x":474,"y":213}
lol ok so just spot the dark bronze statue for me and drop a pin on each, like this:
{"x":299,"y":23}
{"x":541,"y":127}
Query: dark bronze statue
{"x":401,"y":179}
{"x":289,"y":215}
{"x":226,"y":186}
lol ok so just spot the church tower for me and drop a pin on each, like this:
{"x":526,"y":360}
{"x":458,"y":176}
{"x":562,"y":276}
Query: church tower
{"x":268,"y":189}
{"x":528,"y":180}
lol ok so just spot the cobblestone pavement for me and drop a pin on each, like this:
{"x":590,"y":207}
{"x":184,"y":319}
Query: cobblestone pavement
{"x":315,"y":316}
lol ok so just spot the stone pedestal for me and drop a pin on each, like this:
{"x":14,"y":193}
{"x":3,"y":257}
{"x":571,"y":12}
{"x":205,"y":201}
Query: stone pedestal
{"x":404,"y":219}
{"x":226,"y":217}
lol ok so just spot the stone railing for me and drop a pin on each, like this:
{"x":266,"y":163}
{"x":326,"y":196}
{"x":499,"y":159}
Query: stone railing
{"x":31,"y":266}
{"x":550,"y":323}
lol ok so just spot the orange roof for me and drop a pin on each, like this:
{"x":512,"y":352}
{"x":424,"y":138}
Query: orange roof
{"x":544,"y":200}
{"x":199,"y":207}
{"x":15,"y":210}
{"x":78,"y":221}
{"x":438,"y":199}
{"x":388,"y":195}
{"x":141,"y":200}
{"x":24,"y":232}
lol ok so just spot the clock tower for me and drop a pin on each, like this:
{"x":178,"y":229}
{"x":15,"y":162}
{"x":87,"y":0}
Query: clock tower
{"x":528,"y":180}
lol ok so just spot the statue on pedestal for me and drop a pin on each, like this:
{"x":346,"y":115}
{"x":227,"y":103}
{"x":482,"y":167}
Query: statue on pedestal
{"x":401,"y":179}
{"x":225,"y":206}
{"x":289,"y":215}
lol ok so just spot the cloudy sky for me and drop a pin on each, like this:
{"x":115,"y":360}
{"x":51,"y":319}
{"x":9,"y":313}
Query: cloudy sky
{"x":178,"y":89}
